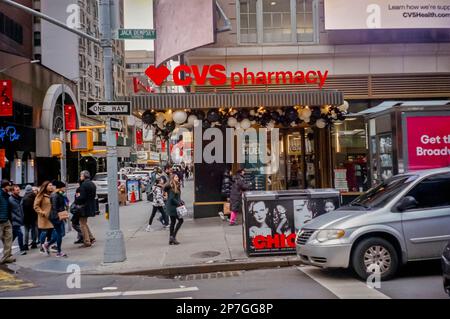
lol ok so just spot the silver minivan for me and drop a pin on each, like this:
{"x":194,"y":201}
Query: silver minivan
{"x":406,"y":218}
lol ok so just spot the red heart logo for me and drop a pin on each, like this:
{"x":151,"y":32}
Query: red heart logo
{"x":157,"y":75}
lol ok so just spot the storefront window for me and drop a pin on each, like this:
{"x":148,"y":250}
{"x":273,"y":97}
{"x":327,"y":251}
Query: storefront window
{"x":350,"y":155}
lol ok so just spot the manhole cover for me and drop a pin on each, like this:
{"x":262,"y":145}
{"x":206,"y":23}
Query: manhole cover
{"x":206,"y":254}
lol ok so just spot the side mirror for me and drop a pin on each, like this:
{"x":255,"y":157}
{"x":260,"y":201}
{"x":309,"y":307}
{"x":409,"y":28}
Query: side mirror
{"x":406,"y":203}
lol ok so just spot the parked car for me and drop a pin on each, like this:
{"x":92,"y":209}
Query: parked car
{"x":406,"y":218}
{"x":101,"y":181}
{"x":446,"y":268}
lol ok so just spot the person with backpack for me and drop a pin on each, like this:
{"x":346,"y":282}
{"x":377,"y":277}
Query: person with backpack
{"x":157,"y":198}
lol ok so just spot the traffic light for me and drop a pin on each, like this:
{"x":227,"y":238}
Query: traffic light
{"x":56,"y":148}
{"x":81,"y":140}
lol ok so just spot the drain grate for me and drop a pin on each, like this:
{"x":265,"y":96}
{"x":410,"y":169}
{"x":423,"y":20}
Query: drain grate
{"x":206,"y":254}
{"x":214,"y":275}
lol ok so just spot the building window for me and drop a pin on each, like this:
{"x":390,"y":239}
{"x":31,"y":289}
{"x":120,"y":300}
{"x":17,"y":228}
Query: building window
{"x":247,"y":27}
{"x":37,"y":39}
{"x":277,"y":21}
{"x":305,"y":21}
{"x":11,"y":29}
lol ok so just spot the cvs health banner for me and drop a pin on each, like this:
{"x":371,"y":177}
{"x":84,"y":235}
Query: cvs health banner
{"x":428,"y":142}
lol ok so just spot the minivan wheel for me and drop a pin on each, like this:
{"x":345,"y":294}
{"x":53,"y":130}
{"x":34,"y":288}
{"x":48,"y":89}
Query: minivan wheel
{"x":375,"y":255}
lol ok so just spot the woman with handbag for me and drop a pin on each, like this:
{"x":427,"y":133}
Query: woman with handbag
{"x":174,"y":208}
{"x":43,"y":207}
{"x":58,"y":216}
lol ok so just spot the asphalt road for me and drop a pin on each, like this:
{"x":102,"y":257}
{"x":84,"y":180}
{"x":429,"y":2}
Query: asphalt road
{"x":419,"y":280}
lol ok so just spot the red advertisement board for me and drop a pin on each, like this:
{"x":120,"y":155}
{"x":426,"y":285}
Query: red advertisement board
{"x":71,"y":117}
{"x":2,"y":158}
{"x":6,"y":98}
{"x":139,"y":137}
{"x":428,"y":142}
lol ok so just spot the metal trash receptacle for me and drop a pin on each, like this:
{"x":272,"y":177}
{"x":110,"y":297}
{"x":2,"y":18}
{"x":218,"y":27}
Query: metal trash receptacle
{"x":271,"y":219}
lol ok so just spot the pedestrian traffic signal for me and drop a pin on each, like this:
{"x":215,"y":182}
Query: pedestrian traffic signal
{"x":81,"y":140}
{"x":56,"y":148}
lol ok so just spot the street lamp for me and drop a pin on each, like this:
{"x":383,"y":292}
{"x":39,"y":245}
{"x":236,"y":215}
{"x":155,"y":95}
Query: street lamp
{"x":18,"y":64}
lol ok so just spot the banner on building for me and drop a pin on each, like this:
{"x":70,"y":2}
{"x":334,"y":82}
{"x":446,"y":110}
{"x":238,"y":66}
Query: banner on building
{"x":386,"y":14}
{"x":2,"y":158}
{"x":6,"y":98}
{"x":139,"y":138}
{"x":70,"y":113}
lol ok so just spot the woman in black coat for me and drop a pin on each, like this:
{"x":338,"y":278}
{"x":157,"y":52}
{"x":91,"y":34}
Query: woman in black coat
{"x":173,"y":202}
{"x":237,"y":188}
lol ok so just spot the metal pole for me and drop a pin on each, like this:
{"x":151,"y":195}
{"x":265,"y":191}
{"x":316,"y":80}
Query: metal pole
{"x":63,"y":137}
{"x":115,"y":244}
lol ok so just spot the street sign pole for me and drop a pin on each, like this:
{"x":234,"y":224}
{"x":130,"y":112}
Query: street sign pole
{"x":115,"y":244}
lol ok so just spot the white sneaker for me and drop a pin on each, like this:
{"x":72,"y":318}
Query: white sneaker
{"x":222,"y":216}
{"x":148,"y":228}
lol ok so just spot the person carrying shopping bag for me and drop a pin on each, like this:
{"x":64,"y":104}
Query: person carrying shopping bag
{"x":43,"y":207}
{"x":174,"y":207}
{"x":58,"y":216}
{"x":158,"y":204}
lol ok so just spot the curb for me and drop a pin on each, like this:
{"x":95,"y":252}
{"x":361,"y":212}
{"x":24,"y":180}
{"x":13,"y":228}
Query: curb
{"x":210,"y":268}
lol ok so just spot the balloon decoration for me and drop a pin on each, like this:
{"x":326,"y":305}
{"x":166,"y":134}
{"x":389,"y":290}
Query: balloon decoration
{"x":179,"y":117}
{"x":244,"y":118}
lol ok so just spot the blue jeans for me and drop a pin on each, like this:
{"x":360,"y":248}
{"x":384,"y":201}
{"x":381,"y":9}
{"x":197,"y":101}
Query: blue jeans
{"x":17,"y":233}
{"x":58,"y":233}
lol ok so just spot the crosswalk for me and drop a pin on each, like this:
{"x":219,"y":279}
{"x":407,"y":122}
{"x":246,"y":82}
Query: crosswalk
{"x":342,"y":286}
{"x":116,"y":294}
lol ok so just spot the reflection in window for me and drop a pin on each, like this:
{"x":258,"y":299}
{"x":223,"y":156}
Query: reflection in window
{"x":350,"y":155}
{"x":305,"y":26}
{"x":248,"y":21}
{"x":277,"y":21}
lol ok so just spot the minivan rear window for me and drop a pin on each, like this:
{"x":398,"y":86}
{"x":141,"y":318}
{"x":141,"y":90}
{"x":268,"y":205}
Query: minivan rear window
{"x":378,"y":196}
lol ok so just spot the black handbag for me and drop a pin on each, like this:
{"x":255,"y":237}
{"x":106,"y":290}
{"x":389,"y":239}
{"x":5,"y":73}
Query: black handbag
{"x":77,"y":209}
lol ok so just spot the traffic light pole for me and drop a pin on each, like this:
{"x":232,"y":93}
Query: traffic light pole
{"x":115,"y":243}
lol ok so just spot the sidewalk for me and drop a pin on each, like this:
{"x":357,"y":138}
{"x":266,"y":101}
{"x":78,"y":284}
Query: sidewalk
{"x":207,"y":245}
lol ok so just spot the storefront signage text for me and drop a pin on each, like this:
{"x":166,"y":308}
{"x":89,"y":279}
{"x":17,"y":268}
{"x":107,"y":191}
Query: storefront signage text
{"x":275,"y":241}
{"x":10,"y":133}
{"x":216,"y":74}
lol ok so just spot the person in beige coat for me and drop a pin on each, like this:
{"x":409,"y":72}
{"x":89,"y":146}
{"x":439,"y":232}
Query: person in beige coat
{"x":43,"y":207}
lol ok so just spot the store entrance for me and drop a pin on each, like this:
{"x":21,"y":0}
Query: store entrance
{"x":298,"y":160}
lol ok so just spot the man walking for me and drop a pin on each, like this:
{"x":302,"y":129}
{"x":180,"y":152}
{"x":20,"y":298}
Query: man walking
{"x":6,"y":234}
{"x":30,"y":216}
{"x":88,"y":207}
{"x":17,"y":217}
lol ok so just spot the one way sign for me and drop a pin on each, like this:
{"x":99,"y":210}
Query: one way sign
{"x":108,"y":108}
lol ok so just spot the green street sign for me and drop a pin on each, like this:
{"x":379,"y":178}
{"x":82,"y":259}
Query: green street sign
{"x":137,"y":34}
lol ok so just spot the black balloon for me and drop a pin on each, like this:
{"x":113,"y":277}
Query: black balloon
{"x":148,"y":117}
{"x":170,"y":126}
{"x":275,"y":115}
{"x":200,"y":115}
{"x":292,"y":115}
{"x":213,"y":116}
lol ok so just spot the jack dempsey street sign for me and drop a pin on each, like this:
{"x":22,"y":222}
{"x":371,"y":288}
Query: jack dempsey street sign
{"x":108,"y":108}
